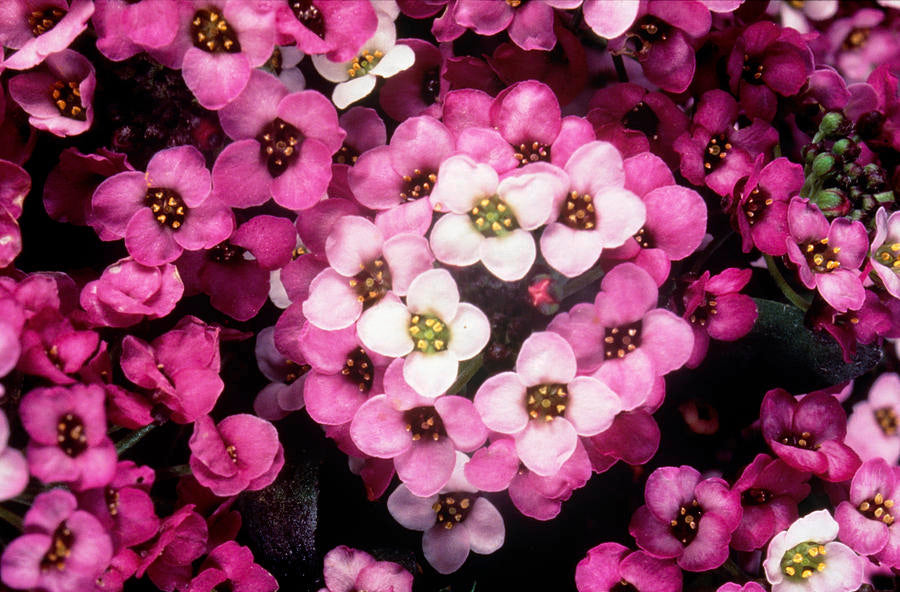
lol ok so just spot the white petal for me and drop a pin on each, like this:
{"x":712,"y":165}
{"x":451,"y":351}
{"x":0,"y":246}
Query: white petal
{"x":433,"y":292}
{"x":331,"y":71}
{"x":455,"y":241}
{"x":351,"y":91}
{"x":531,"y":197}
{"x":569,"y":251}
{"x":620,"y":214}
{"x":385,"y":36}
{"x":592,"y":406}
{"x":460,"y":182}
{"x":509,"y":257}
{"x":399,"y":58}
{"x":430,"y":374}
{"x":469,"y":331}
{"x":384,"y":329}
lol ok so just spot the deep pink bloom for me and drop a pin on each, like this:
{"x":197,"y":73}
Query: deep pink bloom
{"x":129,"y":292}
{"x":125,"y":28}
{"x":609,"y":19}
{"x":13,"y":468}
{"x":365,"y":130}
{"x":58,"y":96}
{"x":543,"y":405}
{"x":872,"y":426}
{"x":610,"y":566}
{"x":632,"y":438}
{"x":167,"y":559}
{"x":285,"y":393}
{"x":866,"y":519}
{"x":241,"y":452}
{"x":38,"y":28}
{"x":748,"y":587}
{"x":124,"y":506}
{"x":68,"y":442}
{"x":15,"y":183}
{"x":865,"y":325}
{"x":62,"y":548}
{"x":283,"y":146}
{"x":530,"y":24}
{"x":165,"y":211}
{"x":53,"y":348}
{"x":337,"y":28}
{"x":418,"y":90}
{"x":347,"y":569}
{"x":827,"y":256}
{"x":808,"y":435}
{"x":885,"y":250}
{"x":770,"y":491}
{"x":231,"y":565}
{"x":686,"y":519}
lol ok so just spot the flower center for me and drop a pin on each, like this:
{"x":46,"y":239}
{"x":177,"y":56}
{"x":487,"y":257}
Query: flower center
{"x":278,"y":145}
{"x":492,"y":217}
{"x":70,"y":436}
{"x":295,"y":371}
{"x":889,"y":256}
{"x":716,"y":151}
{"x":701,"y":315}
{"x":358,"y":369}
{"x":514,"y":3}
{"x":232,"y":452}
{"x":756,"y":497}
{"x":60,"y":548}
{"x":452,"y":508}
{"x":623,"y":586}
{"x":645,"y":33}
{"x":42,"y":21}
{"x":622,"y":340}
{"x":431,"y":86}
{"x":684,"y":526}
{"x":309,"y":16}
{"x":345,"y":155}
{"x":212,"y":33}
{"x":429,"y":332}
{"x":275,"y":63}
{"x":856,"y":38}
{"x":754,"y":206}
{"x":167,"y":206}
{"x":418,"y":184}
{"x":802,"y":561}
{"x":226,"y":253}
{"x":644,"y":238}
{"x":578,"y":212}
{"x":363,"y":63}
{"x":67,"y":98}
{"x":533,"y":152}
{"x":112,"y":501}
{"x":819,"y":257}
{"x":878,"y":508}
{"x":752,"y":70}
{"x":803,"y":440}
{"x":642,"y":118}
{"x":547,"y":400}
{"x":424,"y":422}
{"x":372,"y":283}
{"x":887,"y":420}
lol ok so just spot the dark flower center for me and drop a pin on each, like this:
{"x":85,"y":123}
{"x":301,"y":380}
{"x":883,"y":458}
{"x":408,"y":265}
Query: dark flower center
{"x":547,"y":400}
{"x":644,"y":238}
{"x":278,"y":145}
{"x":642,"y":118}
{"x":372,"y":283}
{"x":716,"y":150}
{"x":424,"y":422}
{"x":856,"y":38}
{"x":821,"y":258}
{"x":418,"y":184}
{"x":887,"y":420}
{"x":756,"y":496}
{"x":429,"y":332}
{"x":619,"y":341}
{"x":754,"y":205}
{"x":309,"y":16}
{"x":492,"y":217}
{"x":431,"y":86}
{"x":67,"y":98}
{"x":889,"y":255}
{"x":295,"y":371}
{"x":803,"y":440}
{"x":226,"y":253}
{"x":623,"y":586}
{"x":645,"y":33}
{"x":42,"y":21}
{"x":212,"y":33}
{"x":802,"y":561}
{"x":684,"y":526}
{"x":452,"y":508}
{"x":578,"y":212}
{"x":358,"y":369}
{"x":701,"y":314}
{"x":60,"y":548}
{"x":112,"y":501}
{"x":877,"y":508}
{"x":167,"y":206}
{"x":752,"y":70}
{"x":533,"y":152}
{"x":345,"y":155}
{"x":70,"y":436}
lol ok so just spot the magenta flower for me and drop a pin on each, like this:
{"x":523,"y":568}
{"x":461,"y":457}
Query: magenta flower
{"x":285,"y":393}
{"x":240,"y":453}
{"x":622,"y":333}
{"x":165,"y":211}
{"x":418,"y":90}
{"x":63,"y":548}
{"x":231,"y":565}
{"x":125,"y":28}
{"x":167,"y":559}
{"x":609,"y":19}
{"x":872,"y":426}
{"x":827,"y":256}
{"x":13,"y":468}
{"x":364,"y":267}
{"x":337,"y":28}
{"x":282,"y":149}
{"x":794,"y":556}
{"x":717,"y":310}
{"x":14,"y":186}
{"x":633,"y":436}
{"x":686,"y":519}
{"x":433,"y":331}
{"x":530,"y":24}
{"x":39,"y":28}
{"x":770,"y":491}
{"x":884,"y":254}
{"x":748,"y":587}
{"x":365,"y":130}
{"x":610,"y":566}
{"x":808,"y":435}
{"x":597,"y":211}
{"x":543,"y":405}
{"x":68,"y":442}
{"x":53,"y":348}
{"x":866,"y":519}
{"x":454,"y":521}
{"x":124,"y":506}
{"x":129,"y":292}
{"x":348,"y":569}
{"x":58,"y":96}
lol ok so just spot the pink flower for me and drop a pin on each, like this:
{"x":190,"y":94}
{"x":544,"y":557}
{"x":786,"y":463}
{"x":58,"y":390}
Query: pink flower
{"x":129,"y":292}
{"x":13,"y":468}
{"x":124,"y":506}
{"x":15,"y":185}
{"x":127,"y":28}
{"x":181,"y":540}
{"x":285,"y":393}
{"x":348,"y":569}
{"x":610,"y":566}
{"x":433,"y":331}
{"x":872,"y":427}
{"x":241,"y":452}
{"x":884,"y":253}
{"x":543,"y":405}
{"x":38,"y":29}
{"x":866,"y":519}
{"x":337,"y":28}
{"x":231,"y":565}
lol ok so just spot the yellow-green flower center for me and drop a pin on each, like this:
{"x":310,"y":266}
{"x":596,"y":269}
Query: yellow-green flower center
{"x":492,"y":217}
{"x":802,"y":561}
{"x":430,"y":334}
{"x":888,"y":255}
{"x":363,"y":63}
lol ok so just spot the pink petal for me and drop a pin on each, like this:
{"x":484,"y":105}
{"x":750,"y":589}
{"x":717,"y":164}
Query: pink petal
{"x":591,"y":406}
{"x":545,"y":358}
{"x":545,"y":446}
{"x":379,"y":430}
{"x":500,"y":401}
{"x":460,"y":182}
{"x":446,"y":550}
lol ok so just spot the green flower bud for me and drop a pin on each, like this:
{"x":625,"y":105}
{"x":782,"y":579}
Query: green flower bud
{"x":831,"y":123}
{"x":823,"y":164}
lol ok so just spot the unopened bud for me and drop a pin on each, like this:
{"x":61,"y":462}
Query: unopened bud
{"x":823,"y":164}
{"x":831,"y":123}
{"x":832,"y":202}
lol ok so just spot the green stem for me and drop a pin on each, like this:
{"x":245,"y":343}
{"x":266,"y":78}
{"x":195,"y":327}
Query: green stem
{"x":467,"y":370}
{"x":789,"y":293}
{"x":133,"y":438}
{"x":582,"y":281}
{"x":11,"y":518}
